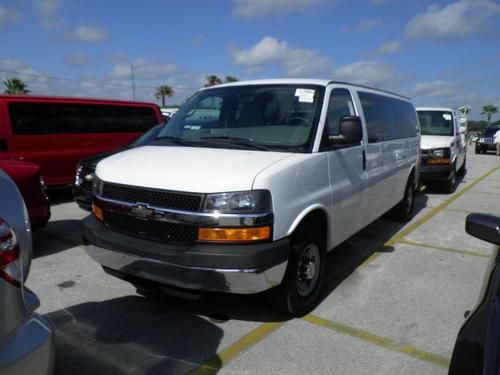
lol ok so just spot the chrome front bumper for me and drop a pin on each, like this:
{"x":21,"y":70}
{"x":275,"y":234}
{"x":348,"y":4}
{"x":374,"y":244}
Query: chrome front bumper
{"x":240,"y":281}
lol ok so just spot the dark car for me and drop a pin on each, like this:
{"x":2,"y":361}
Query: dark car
{"x":82,"y":187}
{"x":485,"y":141}
{"x":29,"y":181}
{"x":477,"y":348}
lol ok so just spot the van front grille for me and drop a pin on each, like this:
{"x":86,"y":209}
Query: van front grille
{"x":151,"y":230}
{"x":153,"y":197}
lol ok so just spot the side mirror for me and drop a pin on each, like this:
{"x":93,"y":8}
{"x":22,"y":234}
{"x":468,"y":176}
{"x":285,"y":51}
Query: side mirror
{"x":485,"y":227}
{"x":350,"y":132}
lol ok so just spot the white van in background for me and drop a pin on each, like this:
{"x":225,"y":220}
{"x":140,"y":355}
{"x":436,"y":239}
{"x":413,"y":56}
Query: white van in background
{"x":253,"y":195}
{"x":443,"y":146}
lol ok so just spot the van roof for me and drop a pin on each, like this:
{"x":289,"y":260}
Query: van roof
{"x":70,"y":99}
{"x":301,"y":81}
{"x":447,"y":109}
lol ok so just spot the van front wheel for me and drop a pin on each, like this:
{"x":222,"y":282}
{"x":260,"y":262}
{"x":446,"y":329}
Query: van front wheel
{"x":403,"y":211}
{"x":300,"y":289}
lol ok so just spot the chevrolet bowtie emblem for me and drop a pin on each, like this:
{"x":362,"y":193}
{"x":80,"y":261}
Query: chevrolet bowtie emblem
{"x":142,"y":212}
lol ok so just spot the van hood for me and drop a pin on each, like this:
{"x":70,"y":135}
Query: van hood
{"x":435,"y":141}
{"x":190,"y":169}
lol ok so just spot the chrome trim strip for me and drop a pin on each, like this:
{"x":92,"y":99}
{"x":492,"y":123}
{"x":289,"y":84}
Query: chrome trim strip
{"x":189,"y":217}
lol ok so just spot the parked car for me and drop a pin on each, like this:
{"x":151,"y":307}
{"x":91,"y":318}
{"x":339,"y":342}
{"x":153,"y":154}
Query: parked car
{"x":56,"y":132}
{"x":29,"y":181}
{"x":477,"y":348}
{"x":82,"y":187}
{"x":251,"y":183}
{"x":485,"y":142}
{"x":444,"y":149}
{"x":26,"y":339}
{"x":168,"y":112}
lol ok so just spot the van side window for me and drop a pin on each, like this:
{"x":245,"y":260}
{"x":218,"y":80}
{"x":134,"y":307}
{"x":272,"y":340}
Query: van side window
{"x":388,"y":118}
{"x":378,"y":116}
{"x":340,"y":105}
{"x":62,"y":118}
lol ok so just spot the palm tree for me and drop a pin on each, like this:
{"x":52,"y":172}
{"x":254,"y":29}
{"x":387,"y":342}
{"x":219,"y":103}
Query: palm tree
{"x":164,"y":91}
{"x":213,"y":80}
{"x":15,"y":86}
{"x":489,"y":110}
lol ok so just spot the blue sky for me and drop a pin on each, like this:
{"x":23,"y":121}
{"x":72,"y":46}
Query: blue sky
{"x":436,"y":52}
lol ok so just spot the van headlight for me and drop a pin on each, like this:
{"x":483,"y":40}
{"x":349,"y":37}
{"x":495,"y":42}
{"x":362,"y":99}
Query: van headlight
{"x":97,"y":186}
{"x":439,"y":156}
{"x":238,"y":202}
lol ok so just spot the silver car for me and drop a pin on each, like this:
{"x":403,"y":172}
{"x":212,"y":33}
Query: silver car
{"x":26,"y":339}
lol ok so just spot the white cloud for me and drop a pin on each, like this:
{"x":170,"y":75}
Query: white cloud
{"x":7,"y":16}
{"x":367,"y":25}
{"x":372,"y":73}
{"x":458,"y":19}
{"x":143,"y":70}
{"x":295,"y":61}
{"x":48,"y":12}
{"x":389,"y":47}
{"x":88,"y":34}
{"x":262,"y":8}
{"x":436,"y":88}
{"x":77,"y":59}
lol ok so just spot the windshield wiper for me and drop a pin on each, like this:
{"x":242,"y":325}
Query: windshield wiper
{"x":171,"y":139}
{"x":248,"y":142}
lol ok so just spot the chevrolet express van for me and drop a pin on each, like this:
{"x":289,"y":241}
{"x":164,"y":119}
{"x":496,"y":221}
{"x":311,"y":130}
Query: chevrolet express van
{"x":443,"y":147}
{"x":56,"y":132}
{"x":251,"y":183}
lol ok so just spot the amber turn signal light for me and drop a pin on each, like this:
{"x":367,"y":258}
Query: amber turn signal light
{"x":234,"y":234}
{"x":97,"y":211}
{"x":438,"y":161}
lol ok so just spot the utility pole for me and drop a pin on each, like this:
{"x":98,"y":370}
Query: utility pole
{"x":133,"y":81}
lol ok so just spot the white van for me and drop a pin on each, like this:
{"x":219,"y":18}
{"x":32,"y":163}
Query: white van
{"x":251,"y":197}
{"x":444,"y":147}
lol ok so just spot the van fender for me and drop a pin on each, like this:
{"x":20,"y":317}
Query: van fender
{"x":304,"y":213}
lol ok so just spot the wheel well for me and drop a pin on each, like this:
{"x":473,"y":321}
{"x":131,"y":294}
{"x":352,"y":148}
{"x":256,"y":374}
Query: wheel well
{"x":314,"y":221}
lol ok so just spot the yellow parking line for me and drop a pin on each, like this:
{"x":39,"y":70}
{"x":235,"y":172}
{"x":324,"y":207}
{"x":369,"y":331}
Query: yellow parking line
{"x":414,"y":225}
{"x":444,"y":248}
{"x":214,"y":364}
{"x":383,"y":342}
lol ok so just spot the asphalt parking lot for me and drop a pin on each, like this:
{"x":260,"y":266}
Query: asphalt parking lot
{"x":394,"y":301}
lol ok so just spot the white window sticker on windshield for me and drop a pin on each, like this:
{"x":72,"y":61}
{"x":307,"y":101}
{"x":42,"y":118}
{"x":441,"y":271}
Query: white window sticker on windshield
{"x":305,"y":95}
{"x":447,"y":116}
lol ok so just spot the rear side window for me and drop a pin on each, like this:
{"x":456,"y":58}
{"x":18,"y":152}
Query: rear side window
{"x":62,"y":118}
{"x":388,"y":118}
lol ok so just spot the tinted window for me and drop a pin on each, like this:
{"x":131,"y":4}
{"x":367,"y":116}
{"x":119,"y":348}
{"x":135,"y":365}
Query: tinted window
{"x":340,"y":105}
{"x":388,"y":118}
{"x":436,"y":122}
{"x":60,"y":118}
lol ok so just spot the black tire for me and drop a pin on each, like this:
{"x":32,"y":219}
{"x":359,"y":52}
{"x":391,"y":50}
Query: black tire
{"x":451,"y":184}
{"x":403,"y":211}
{"x":477,"y":150}
{"x":463,"y":169}
{"x":299,"y":292}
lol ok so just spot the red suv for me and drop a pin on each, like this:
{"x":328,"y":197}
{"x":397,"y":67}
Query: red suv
{"x":29,"y":181}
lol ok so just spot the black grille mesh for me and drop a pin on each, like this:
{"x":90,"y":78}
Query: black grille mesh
{"x":158,"y":198}
{"x":151,"y":230}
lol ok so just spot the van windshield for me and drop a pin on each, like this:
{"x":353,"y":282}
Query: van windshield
{"x":262,"y":117}
{"x":436,"y":122}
